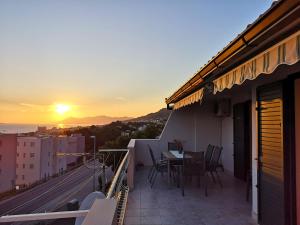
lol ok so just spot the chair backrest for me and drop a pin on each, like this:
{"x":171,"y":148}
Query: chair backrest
{"x":176,"y":145}
{"x":193,"y":163}
{"x":208,"y":153}
{"x":216,"y":156}
{"x":152,"y":155}
{"x":172,"y":146}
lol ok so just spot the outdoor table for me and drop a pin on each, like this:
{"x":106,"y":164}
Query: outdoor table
{"x":171,"y":156}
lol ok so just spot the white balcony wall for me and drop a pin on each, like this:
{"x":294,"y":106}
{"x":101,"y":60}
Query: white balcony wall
{"x":195,"y":126}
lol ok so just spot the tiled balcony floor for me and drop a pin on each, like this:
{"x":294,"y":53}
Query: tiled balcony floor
{"x":166,"y":206}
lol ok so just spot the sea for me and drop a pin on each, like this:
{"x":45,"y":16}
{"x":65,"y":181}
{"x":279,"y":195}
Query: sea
{"x":26,"y":128}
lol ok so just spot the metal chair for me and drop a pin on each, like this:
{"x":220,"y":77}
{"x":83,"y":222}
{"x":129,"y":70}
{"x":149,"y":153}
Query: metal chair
{"x":157,"y":166}
{"x":208,"y":153}
{"x":172,"y":146}
{"x":212,"y":166}
{"x":193,"y":165}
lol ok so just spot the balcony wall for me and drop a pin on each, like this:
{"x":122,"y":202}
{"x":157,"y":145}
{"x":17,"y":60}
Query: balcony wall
{"x":195,"y":126}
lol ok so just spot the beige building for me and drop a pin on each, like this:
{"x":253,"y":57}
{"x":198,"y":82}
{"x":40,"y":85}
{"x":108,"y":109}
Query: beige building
{"x":76,"y":144}
{"x":60,"y":145}
{"x":8,"y":149}
{"x":34,"y":159}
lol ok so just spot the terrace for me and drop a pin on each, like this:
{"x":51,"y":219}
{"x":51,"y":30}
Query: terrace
{"x":162,"y":205}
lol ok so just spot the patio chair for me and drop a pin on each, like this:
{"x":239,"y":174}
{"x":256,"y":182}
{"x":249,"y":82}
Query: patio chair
{"x":172,"y":146}
{"x":193,"y":165}
{"x":213,"y":165}
{"x":175,"y":166}
{"x":208,"y":154}
{"x":176,"y":145}
{"x":157,"y":166}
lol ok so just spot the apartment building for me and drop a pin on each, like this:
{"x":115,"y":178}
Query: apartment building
{"x":60,"y":145}
{"x":34,"y":159}
{"x":76,"y":144}
{"x":8,"y":149}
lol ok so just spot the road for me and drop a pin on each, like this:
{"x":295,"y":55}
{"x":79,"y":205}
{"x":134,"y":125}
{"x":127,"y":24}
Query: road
{"x":52,"y":194}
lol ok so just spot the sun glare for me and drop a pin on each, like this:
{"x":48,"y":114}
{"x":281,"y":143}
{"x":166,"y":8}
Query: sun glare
{"x":62,"y":108}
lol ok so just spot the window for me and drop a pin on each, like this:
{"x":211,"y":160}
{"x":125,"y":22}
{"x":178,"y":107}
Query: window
{"x":23,"y":166}
{"x":24,"y":143}
{"x":31,"y":155}
{"x":0,"y":157}
{"x":18,"y":154}
{"x":24,"y":155}
{"x":23,"y":177}
{"x":32,"y":144}
{"x":31,"y":166}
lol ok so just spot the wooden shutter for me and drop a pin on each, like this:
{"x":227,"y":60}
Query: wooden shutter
{"x":270,"y":160}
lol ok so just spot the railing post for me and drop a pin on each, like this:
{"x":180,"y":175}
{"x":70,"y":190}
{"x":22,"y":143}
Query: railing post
{"x":131,"y":166}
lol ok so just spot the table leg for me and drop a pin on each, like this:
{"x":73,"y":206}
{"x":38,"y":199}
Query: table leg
{"x":169,"y":174}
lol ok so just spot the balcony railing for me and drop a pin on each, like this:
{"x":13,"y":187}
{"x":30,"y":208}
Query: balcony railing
{"x":114,"y":204}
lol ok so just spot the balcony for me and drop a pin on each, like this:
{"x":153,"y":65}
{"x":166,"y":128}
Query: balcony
{"x":160,"y":205}
{"x":102,"y":209}
{"x":163,"y":205}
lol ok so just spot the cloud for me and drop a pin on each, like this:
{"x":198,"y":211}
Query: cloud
{"x":120,"y":98}
{"x":35,"y":107}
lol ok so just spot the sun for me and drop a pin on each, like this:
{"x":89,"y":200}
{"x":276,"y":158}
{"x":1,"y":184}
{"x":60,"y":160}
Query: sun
{"x":61,"y":109}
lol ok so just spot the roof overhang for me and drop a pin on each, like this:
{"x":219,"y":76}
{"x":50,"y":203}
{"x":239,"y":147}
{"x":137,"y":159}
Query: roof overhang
{"x":242,"y":46}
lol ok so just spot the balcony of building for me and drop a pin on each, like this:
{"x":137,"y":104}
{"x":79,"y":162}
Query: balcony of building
{"x":163,"y":205}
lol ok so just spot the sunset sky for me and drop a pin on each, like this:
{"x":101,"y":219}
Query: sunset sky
{"x":117,"y":58}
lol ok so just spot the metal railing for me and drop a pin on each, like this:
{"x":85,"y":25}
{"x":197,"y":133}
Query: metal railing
{"x":118,"y":190}
{"x":119,"y":177}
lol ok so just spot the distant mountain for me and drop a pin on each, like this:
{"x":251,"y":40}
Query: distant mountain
{"x":94,"y":120}
{"x":162,"y":114}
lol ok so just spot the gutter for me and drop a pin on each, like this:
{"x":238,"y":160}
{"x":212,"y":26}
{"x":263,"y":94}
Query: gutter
{"x":237,"y":45}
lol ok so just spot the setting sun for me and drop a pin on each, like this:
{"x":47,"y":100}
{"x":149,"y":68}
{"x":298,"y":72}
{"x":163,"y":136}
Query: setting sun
{"x":62,"y":108}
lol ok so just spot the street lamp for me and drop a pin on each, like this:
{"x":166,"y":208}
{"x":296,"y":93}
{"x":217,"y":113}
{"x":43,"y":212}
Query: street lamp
{"x":94,"y":137}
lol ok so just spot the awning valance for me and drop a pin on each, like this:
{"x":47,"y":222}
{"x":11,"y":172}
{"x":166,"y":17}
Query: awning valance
{"x":195,"y":97}
{"x":285,"y":52}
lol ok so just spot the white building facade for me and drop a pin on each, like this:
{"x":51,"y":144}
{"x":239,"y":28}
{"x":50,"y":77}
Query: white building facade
{"x":34,"y":159}
{"x":76,"y":144}
{"x":60,"y":145}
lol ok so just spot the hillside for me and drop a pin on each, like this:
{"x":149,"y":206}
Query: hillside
{"x":95,"y":120}
{"x":162,"y":114}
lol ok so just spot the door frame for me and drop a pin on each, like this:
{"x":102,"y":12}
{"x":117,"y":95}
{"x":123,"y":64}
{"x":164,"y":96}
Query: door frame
{"x":290,"y":149}
{"x":259,"y":153}
{"x":289,"y":153}
{"x":248,"y":136}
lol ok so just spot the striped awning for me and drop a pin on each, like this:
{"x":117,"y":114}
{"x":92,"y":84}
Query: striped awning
{"x":195,"y":97}
{"x":285,"y":52}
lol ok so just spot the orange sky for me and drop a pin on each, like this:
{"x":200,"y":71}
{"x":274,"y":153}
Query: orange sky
{"x":43,"y":114}
{"x":114,"y":58}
